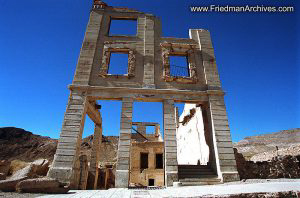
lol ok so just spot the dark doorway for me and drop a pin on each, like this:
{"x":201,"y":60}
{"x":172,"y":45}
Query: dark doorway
{"x":151,"y":182}
{"x":159,"y":161}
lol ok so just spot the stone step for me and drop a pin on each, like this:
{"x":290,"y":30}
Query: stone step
{"x":193,"y":167}
{"x":195,"y":176}
{"x":189,"y":176}
{"x":194,"y":170}
{"x":199,"y":174}
{"x":199,"y":181}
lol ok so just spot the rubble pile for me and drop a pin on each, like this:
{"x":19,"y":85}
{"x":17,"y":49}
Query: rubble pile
{"x":31,"y":179}
{"x":279,"y":167}
{"x":287,"y":194}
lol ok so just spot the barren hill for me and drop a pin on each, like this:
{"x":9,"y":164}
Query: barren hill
{"x":264,"y":147}
{"x":16,"y":143}
{"x":22,"y":145}
{"x":19,"y":144}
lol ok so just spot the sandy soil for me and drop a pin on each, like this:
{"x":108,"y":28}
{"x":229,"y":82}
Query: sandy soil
{"x":18,"y":195}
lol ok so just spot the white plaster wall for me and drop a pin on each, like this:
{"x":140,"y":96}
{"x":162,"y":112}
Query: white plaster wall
{"x":191,"y":143}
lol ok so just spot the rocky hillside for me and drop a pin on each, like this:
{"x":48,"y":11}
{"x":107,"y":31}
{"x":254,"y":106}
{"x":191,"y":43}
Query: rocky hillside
{"x":18,"y":144}
{"x":265,"y":147}
{"x":108,"y":148}
{"x":22,"y":145}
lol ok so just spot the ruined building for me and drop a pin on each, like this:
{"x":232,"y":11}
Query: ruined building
{"x":146,"y":159}
{"x":150,"y":77}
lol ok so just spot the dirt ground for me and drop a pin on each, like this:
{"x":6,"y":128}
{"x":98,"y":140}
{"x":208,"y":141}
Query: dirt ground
{"x":18,"y":195}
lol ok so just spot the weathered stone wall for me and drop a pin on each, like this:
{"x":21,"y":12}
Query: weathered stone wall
{"x":279,"y":167}
{"x":148,"y":49}
{"x":148,"y":79}
{"x":138,"y":176}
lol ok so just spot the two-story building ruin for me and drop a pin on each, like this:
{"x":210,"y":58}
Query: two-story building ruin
{"x":150,"y":77}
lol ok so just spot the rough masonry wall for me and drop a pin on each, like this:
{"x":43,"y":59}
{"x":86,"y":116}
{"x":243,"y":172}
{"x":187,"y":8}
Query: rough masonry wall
{"x":134,"y":43}
{"x":138,"y":176}
{"x":148,"y":78}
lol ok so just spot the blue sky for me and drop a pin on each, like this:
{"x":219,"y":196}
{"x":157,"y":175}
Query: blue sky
{"x":257,"y":56}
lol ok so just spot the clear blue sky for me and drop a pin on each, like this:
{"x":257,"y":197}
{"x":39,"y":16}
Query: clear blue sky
{"x":257,"y":56}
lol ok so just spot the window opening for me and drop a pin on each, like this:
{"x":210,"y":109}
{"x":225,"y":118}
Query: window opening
{"x":118,"y":64}
{"x":179,"y":66}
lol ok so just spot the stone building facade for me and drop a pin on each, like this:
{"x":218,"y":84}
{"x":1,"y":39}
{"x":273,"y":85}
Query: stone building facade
{"x":149,"y":78}
{"x":146,"y":156}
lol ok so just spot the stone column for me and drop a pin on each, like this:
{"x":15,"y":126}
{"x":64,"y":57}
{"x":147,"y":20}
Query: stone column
{"x":225,"y":158}
{"x":68,"y":148}
{"x":122,"y":170}
{"x":95,"y":155}
{"x":171,"y":164}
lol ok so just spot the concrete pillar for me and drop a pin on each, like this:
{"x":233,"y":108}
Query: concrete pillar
{"x":123,"y":156}
{"x":95,"y":156}
{"x":68,"y":148}
{"x":171,"y":164}
{"x":225,"y":159}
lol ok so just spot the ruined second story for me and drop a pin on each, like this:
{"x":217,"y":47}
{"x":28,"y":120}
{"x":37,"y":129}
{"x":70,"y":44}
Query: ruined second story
{"x":151,"y":61}
{"x":141,"y":132}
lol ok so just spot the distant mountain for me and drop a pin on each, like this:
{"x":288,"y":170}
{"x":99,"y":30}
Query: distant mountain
{"x":264,"y":147}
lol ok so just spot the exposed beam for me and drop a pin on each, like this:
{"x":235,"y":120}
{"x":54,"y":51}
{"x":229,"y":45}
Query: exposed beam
{"x":93,"y":112}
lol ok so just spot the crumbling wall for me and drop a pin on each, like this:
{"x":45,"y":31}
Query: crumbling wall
{"x":140,"y":176}
{"x":279,"y":167}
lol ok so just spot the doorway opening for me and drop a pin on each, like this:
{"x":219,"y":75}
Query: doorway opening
{"x":193,"y":141}
{"x":151,"y":182}
{"x":147,"y":146}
